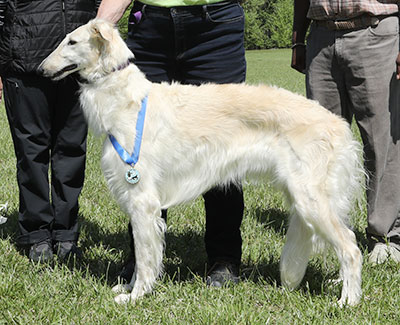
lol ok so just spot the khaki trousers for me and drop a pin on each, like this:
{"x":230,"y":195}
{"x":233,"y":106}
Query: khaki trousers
{"x":352,"y":73}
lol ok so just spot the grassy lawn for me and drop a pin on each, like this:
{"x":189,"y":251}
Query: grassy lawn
{"x":80,"y":293}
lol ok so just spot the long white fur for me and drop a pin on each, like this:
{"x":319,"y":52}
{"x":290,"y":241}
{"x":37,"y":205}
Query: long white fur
{"x":196,"y":137}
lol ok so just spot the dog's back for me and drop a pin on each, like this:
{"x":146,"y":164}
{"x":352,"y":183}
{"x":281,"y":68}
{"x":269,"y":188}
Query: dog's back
{"x":232,"y":116}
{"x":210,"y":110}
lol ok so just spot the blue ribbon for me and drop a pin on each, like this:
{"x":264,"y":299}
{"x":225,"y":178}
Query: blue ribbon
{"x":125,"y":156}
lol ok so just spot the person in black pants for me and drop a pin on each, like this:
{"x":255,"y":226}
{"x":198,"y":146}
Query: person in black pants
{"x":194,"y":45}
{"x":47,"y":126}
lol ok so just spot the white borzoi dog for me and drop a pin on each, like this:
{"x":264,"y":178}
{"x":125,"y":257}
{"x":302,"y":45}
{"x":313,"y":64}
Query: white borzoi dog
{"x":196,"y":137}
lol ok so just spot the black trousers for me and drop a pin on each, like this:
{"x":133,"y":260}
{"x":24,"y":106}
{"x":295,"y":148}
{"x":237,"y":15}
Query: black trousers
{"x":195,"y":45}
{"x":49,"y":133}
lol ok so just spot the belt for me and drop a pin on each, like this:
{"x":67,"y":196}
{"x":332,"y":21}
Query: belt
{"x":354,"y":23}
{"x":141,"y":6}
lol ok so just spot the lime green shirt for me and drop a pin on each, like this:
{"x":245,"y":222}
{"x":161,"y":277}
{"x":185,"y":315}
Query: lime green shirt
{"x":177,"y":3}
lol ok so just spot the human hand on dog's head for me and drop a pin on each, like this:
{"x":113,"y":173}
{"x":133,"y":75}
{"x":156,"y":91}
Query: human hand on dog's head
{"x":112,"y":10}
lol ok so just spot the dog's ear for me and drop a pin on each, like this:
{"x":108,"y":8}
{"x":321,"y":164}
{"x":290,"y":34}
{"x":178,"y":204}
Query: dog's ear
{"x":102,"y":29}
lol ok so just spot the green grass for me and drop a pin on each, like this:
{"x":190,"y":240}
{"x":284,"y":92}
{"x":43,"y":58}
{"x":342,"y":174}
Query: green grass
{"x":273,"y":67}
{"x":80,"y":293}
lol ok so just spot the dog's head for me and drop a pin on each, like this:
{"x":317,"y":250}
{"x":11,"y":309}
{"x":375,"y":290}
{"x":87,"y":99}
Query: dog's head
{"x":93,"y":50}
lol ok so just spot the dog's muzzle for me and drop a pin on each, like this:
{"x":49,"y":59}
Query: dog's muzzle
{"x":64,"y":70}
{"x":56,"y":75}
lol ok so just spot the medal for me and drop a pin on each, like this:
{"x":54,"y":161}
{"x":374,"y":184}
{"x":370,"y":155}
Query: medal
{"x":132,"y":176}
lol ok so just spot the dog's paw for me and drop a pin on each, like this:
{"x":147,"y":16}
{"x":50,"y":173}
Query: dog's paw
{"x":122,"y":299}
{"x":122,"y":288}
{"x":349,"y":301}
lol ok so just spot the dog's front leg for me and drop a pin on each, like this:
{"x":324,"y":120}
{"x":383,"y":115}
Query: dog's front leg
{"x":148,"y":232}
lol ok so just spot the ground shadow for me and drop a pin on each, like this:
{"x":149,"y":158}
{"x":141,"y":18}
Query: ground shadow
{"x":275,"y":219}
{"x":185,"y":256}
{"x":10,"y":228}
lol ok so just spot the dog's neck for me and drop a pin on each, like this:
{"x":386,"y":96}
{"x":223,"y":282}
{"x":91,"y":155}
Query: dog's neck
{"x":113,"y":98}
{"x":124,"y":65}
{"x":118,"y":68}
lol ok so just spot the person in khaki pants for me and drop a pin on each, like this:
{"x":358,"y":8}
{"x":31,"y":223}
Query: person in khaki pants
{"x":351,"y":61}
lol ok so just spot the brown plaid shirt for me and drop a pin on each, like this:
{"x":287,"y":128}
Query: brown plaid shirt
{"x":337,"y":9}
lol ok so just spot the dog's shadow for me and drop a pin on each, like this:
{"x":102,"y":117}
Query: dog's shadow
{"x":185,"y":256}
{"x":189,"y":251}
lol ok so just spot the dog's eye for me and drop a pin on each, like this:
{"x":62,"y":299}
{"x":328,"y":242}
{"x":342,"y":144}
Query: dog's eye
{"x":71,"y":42}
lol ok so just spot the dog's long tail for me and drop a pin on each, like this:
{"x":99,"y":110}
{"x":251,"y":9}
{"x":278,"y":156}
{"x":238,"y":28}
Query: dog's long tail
{"x":347,"y":177}
{"x":343,"y":189}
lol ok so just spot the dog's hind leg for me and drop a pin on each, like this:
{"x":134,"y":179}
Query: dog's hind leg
{"x":316,"y":213}
{"x":148,"y":232}
{"x":344,"y":243}
{"x":296,"y":252}
{"x":317,"y":209}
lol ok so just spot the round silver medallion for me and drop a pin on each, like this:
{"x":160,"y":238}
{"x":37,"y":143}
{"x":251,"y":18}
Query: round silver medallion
{"x":132,"y":176}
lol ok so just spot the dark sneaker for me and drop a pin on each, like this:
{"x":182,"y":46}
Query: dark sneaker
{"x":66,"y":250}
{"x":223,"y":273}
{"x":41,"y":252}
